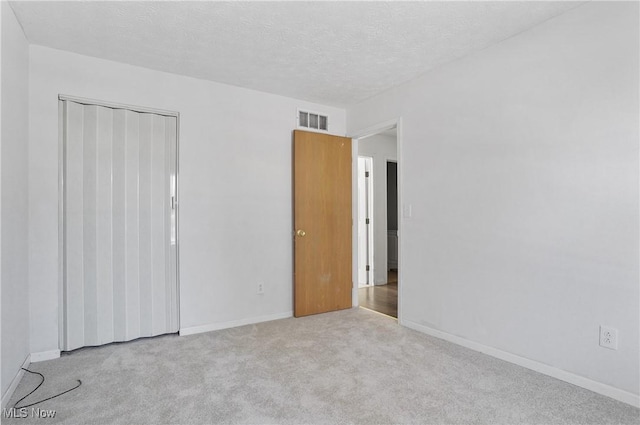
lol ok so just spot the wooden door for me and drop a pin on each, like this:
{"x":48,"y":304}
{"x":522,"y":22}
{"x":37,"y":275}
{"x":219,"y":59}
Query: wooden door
{"x":322,"y":223}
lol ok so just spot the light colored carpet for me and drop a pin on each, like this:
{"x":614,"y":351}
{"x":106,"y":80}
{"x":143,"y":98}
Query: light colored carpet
{"x":352,"y":366}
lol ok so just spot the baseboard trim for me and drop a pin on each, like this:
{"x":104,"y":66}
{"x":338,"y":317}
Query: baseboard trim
{"x":44,"y":355}
{"x":234,"y":323}
{"x":554,"y":372}
{"x":16,"y":380}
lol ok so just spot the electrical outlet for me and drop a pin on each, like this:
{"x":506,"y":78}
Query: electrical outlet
{"x":608,"y":337}
{"x":260,"y":290}
{"x":407,"y":210}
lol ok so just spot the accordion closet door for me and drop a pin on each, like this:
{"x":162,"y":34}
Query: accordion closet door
{"x":119,"y":253}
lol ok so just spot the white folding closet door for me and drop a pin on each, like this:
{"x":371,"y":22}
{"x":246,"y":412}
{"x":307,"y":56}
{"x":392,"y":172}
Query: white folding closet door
{"x":119,"y":241}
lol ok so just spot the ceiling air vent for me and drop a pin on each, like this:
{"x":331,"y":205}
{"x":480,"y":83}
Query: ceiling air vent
{"x":313,"y":121}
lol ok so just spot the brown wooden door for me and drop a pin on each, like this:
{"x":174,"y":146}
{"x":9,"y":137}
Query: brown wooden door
{"x":322,"y":223}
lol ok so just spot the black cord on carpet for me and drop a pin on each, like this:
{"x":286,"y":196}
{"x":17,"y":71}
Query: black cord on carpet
{"x":15,"y":406}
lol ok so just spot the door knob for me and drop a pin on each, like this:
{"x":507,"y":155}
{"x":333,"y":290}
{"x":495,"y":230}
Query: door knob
{"x":301,"y":233}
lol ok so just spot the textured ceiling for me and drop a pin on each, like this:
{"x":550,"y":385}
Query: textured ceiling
{"x":336,"y":53}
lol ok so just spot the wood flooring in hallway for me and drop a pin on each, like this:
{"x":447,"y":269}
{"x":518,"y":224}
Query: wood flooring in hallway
{"x":381,"y":298}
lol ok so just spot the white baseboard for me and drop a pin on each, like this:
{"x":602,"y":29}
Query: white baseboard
{"x":234,"y":323}
{"x":16,"y":380}
{"x":44,"y":355}
{"x":554,"y":372}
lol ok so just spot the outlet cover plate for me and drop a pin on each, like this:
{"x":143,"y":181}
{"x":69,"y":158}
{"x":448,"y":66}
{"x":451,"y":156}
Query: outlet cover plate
{"x":608,"y":337}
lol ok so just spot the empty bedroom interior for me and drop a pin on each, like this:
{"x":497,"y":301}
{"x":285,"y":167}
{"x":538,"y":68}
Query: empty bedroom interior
{"x":518,"y":127}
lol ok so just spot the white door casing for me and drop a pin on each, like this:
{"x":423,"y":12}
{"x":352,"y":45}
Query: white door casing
{"x":365,"y":220}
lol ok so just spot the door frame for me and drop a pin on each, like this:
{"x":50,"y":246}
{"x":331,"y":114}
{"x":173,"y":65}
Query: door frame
{"x":61,"y":206}
{"x":355,"y":136}
{"x":370,"y":235}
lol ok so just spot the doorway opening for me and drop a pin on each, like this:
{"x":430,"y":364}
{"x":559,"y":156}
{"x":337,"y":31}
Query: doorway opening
{"x":377,"y":214}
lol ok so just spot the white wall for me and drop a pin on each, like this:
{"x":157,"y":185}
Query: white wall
{"x":14,"y":208}
{"x":381,"y":148}
{"x":521,"y":165}
{"x":235,"y":186}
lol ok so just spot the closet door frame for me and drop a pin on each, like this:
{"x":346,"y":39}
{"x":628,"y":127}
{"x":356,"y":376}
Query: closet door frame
{"x":61,"y":207}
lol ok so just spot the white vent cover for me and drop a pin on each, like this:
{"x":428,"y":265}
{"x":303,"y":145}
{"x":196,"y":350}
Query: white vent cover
{"x":313,"y":121}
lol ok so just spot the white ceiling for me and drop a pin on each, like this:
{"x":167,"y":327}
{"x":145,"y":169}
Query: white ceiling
{"x":335,"y":53}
